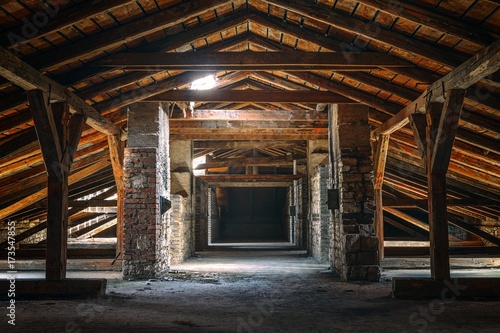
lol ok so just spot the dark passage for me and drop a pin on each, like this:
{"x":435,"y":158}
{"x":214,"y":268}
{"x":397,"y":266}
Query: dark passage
{"x":252,"y":214}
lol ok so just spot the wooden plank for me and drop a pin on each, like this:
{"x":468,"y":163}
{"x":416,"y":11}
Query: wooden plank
{"x":42,"y":194}
{"x":26,"y":234}
{"x":370,"y":30}
{"x":446,"y":131}
{"x":419,"y":235}
{"x":412,"y":203}
{"x":270,"y":115}
{"x":408,"y":218}
{"x":61,"y":19}
{"x":28,"y":78}
{"x":434,"y":19}
{"x":97,"y":230}
{"x":484,"y":63}
{"x":250,"y":96}
{"x":115,"y":37}
{"x":248,"y":60}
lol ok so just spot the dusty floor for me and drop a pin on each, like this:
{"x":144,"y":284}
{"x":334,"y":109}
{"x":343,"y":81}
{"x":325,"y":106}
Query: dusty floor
{"x":251,"y":291}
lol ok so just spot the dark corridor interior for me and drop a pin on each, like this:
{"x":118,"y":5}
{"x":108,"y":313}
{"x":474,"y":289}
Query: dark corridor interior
{"x":252,"y":214}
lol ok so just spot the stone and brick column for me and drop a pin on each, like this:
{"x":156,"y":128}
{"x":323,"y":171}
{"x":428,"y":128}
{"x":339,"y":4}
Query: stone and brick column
{"x":146,"y":178}
{"x":354,"y":247}
{"x":181,"y":217}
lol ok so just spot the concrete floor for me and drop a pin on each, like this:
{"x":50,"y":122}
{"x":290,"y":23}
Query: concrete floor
{"x":253,"y":290}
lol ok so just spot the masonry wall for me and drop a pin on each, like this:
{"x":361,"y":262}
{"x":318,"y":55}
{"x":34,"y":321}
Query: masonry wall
{"x":181,"y":229}
{"x":201,"y":214}
{"x":320,"y":215}
{"x":354,"y":248}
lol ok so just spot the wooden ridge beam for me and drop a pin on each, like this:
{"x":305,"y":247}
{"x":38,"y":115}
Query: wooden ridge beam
{"x":484,"y":63}
{"x":250,"y":96}
{"x":28,"y":78}
{"x":248,"y":60}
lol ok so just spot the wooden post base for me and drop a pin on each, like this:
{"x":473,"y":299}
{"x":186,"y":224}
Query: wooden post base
{"x":62,"y":289}
{"x":446,"y":290}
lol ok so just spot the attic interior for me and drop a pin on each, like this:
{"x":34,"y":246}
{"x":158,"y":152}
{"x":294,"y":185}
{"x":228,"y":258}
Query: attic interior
{"x":138,"y":135}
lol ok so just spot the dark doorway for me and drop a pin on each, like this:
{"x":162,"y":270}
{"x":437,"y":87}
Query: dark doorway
{"x":252,"y":214}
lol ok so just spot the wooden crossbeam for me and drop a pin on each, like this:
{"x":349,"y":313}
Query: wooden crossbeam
{"x":248,"y":178}
{"x":246,"y":144}
{"x":251,"y":96}
{"x":251,"y":184}
{"x":250,"y":161}
{"x":248,"y":60}
{"x":245,"y":124}
{"x":270,"y":115}
{"x":484,"y":63}
{"x":28,"y":78}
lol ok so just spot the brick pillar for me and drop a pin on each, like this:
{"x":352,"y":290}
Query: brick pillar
{"x":181,"y":217}
{"x":146,"y":176}
{"x":354,"y":250}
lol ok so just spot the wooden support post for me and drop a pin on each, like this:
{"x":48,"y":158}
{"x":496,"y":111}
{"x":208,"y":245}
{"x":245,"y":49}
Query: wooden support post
{"x":442,"y":125}
{"x":116,"y":152}
{"x":58,"y":133}
{"x":380,"y":160}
